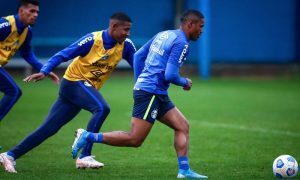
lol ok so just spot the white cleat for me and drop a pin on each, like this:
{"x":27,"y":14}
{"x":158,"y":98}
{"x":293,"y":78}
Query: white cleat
{"x":8,"y":163}
{"x":88,"y":162}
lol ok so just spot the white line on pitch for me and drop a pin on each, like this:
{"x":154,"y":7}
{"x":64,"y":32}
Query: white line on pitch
{"x":251,"y":129}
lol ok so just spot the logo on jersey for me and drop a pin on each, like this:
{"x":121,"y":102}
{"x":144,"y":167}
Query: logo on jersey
{"x":97,"y":73}
{"x":103,"y":65}
{"x":106,"y":56}
{"x":156,"y":45}
{"x":5,"y":24}
{"x":86,"y":83}
{"x":154,"y":113}
{"x":128,"y":40}
{"x":85,"y":40}
{"x":182,"y":56}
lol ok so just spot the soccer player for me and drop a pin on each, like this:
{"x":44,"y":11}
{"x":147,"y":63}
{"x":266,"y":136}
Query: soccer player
{"x":15,"y":34}
{"x":95,"y":57}
{"x":156,"y":65}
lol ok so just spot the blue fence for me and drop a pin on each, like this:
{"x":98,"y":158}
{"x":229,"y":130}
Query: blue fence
{"x":241,"y":31}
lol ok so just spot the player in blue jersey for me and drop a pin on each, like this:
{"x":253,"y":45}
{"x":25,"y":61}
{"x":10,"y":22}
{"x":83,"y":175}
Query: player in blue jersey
{"x":156,"y":66}
{"x":15,"y":34}
{"x":95,"y":57}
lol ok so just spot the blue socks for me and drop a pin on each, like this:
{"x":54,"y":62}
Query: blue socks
{"x":183,"y":163}
{"x":95,"y":137}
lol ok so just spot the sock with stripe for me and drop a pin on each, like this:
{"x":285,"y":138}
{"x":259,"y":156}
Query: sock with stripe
{"x":183,"y":163}
{"x":95,"y":137}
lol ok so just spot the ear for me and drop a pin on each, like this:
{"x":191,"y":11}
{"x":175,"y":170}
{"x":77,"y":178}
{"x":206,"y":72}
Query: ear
{"x":190,"y":24}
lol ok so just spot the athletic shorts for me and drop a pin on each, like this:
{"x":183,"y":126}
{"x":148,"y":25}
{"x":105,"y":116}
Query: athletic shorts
{"x":149,"y":106}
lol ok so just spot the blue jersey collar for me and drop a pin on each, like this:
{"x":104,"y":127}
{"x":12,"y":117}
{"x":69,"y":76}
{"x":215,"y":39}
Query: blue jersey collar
{"x":108,"y":41}
{"x":20,"y":26}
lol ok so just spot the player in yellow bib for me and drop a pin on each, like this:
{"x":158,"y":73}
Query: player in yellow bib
{"x":95,"y":57}
{"x":15,"y":34}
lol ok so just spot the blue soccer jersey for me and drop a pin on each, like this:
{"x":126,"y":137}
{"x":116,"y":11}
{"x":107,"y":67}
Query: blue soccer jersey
{"x":167,"y":50}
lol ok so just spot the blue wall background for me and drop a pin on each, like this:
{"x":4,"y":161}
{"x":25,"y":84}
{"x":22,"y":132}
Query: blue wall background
{"x":257,"y":31}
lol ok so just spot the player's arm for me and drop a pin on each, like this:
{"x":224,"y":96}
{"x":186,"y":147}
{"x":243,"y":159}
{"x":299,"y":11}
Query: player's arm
{"x":140,"y":57}
{"x":178,"y":53}
{"x":29,"y":56}
{"x":79,"y":48}
{"x":27,"y":53}
{"x":5,"y":29}
{"x":128,"y":52}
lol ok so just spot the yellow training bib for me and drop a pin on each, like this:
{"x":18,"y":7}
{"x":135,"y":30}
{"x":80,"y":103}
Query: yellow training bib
{"x":13,"y":42}
{"x":97,"y":65}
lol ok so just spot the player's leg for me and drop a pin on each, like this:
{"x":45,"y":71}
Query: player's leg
{"x":135,"y":138}
{"x":11,"y":93}
{"x":87,"y":97}
{"x":176,"y":120}
{"x":60,"y":114}
{"x":91,"y":100}
{"x":139,"y":131}
{"x":143,"y":117}
{"x":144,"y":114}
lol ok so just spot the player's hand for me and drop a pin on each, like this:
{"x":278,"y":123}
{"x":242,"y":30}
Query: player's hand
{"x":54,"y":78}
{"x":34,"y":77}
{"x":189,"y":85}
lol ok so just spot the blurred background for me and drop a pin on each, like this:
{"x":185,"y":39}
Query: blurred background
{"x":244,"y":106}
{"x":249,"y":37}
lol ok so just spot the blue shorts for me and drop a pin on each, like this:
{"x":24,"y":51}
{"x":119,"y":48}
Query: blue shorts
{"x":149,"y":106}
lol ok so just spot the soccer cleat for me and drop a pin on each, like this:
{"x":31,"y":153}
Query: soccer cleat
{"x":88,"y":162}
{"x":190,"y":174}
{"x":79,"y":142}
{"x":8,"y":163}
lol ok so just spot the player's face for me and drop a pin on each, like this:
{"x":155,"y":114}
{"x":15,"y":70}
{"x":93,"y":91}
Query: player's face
{"x":196,"y":29}
{"x":28,"y":14}
{"x":121,"y":31}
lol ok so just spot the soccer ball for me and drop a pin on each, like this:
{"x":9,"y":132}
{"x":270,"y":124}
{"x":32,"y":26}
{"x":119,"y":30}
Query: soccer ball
{"x":285,"y":166}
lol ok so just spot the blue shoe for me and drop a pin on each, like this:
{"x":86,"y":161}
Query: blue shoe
{"x":79,"y":142}
{"x":190,"y":174}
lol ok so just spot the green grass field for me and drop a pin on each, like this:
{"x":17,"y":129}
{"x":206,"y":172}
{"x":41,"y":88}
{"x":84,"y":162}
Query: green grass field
{"x":238,"y":127}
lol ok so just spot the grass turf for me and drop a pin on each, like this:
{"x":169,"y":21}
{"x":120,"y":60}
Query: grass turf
{"x":237,"y":128}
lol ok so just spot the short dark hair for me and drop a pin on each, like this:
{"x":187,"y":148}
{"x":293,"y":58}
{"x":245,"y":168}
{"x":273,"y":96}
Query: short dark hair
{"x":191,"y":12}
{"x":121,"y":17}
{"x":25,"y":2}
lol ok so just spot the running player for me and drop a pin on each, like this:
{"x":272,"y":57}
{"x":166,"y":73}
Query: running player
{"x":15,"y":34}
{"x":96,"y":56}
{"x":156,"y":65}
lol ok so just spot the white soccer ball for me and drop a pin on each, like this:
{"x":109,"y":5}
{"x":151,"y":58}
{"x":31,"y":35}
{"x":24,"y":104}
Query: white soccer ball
{"x":285,"y":166}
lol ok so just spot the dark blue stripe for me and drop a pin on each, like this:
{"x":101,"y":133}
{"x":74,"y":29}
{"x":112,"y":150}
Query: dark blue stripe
{"x":92,"y":95}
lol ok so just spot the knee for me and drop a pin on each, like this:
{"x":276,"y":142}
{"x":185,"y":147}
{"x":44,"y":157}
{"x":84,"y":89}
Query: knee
{"x":16,"y":93}
{"x":185,"y":127}
{"x":104,"y":109}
